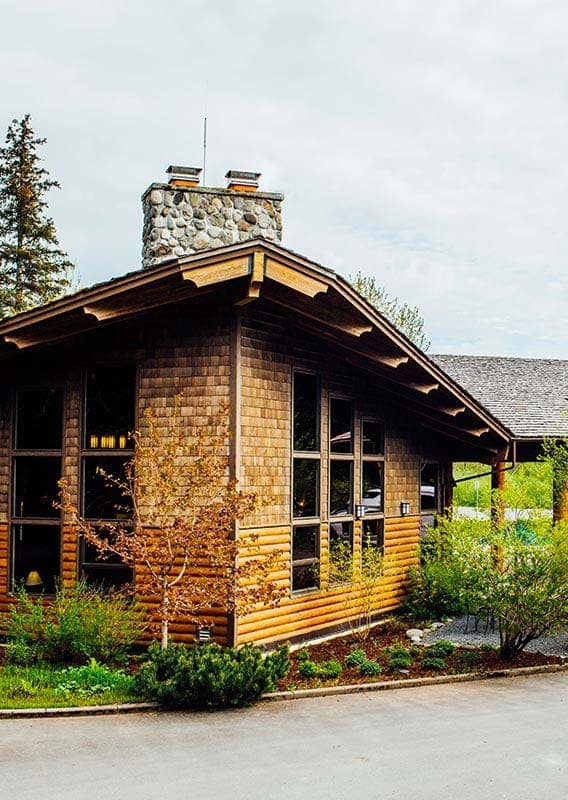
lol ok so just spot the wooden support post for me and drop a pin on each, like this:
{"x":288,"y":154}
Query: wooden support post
{"x":447,"y":486}
{"x":498,"y":484}
{"x":559,"y":497}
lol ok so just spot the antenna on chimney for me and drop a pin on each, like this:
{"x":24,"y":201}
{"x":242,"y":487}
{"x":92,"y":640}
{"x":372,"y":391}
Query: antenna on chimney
{"x":204,"y":146}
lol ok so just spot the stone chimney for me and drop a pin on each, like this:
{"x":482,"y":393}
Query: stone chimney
{"x":181,"y":217}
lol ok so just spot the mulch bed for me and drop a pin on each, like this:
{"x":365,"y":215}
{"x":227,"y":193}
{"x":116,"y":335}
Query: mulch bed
{"x":392,"y":633}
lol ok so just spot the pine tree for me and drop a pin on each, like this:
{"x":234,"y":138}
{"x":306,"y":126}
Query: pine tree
{"x":33,"y":269}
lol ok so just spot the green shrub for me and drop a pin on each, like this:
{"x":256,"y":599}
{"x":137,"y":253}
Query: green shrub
{"x":79,"y":624}
{"x":326,"y":670}
{"x":330,"y":669}
{"x":399,"y":662}
{"x":303,"y":654}
{"x":399,"y":657}
{"x":516,"y":573}
{"x":209,"y":676}
{"x":370,"y":668}
{"x":433,"y":663}
{"x":441,"y":649}
{"x":308,"y":669}
{"x":469,"y":658}
{"x":356,"y":658}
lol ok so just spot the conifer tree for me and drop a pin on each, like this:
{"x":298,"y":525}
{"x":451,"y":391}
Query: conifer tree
{"x":33,"y":268}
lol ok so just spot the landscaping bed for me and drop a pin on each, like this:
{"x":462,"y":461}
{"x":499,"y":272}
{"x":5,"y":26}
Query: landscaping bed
{"x":393,"y":657}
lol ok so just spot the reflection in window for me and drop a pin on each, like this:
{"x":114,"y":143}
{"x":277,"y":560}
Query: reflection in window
{"x":107,"y":573}
{"x":373,"y":438}
{"x":341,"y":532}
{"x":36,"y":557}
{"x":306,"y":488}
{"x":36,"y":548}
{"x":109,"y":417}
{"x":341,"y":425}
{"x":102,"y":498}
{"x":39,"y":419}
{"x":340,"y":488}
{"x":373,"y":533}
{"x":429,"y":482}
{"x":35,"y":486}
{"x":373,"y":486}
{"x":306,"y":412}
{"x":340,"y":552}
{"x":305,"y":554}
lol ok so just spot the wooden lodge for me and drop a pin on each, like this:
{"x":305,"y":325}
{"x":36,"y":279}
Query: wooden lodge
{"x":334,"y":414}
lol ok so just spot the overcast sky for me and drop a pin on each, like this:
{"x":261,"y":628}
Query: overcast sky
{"x":421,"y":141}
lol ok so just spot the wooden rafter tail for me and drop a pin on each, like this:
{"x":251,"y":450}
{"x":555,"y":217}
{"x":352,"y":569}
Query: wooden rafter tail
{"x":18,"y":341}
{"x":423,"y":388}
{"x":218,"y":273}
{"x":452,"y":411}
{"x":294,"y":279}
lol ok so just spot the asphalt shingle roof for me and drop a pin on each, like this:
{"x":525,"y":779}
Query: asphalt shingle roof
{"x":528,"y":395}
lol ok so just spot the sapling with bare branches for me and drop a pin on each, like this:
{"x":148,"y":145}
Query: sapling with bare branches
{"x":180,"y":536}
{"x":361,"y":578}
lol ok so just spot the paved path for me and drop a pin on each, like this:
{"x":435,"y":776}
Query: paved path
{"x":493,"y":739}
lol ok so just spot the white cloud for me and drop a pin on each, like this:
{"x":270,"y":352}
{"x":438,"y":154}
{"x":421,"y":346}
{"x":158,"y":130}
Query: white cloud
{"x":421,"y":142}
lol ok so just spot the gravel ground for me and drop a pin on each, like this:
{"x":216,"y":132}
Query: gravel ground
{"x":455,"y":631}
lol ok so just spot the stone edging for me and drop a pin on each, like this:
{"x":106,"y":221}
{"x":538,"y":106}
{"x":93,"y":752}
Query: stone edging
{"x":324,"y":691}
{"x":408,"y":683}
{"x":75,"y":711}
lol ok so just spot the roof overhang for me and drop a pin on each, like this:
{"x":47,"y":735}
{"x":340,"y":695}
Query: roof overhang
{"x":320,"y":300}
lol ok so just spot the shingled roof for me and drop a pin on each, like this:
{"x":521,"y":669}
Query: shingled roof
{"x":528,"y":395}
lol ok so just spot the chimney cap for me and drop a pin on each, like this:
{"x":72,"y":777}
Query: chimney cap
{"x":184,"y":176}
{"x":186,"y":171}
{"x":238,"y":178}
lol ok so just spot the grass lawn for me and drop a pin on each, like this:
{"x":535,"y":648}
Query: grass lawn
{"x":53,"y":686}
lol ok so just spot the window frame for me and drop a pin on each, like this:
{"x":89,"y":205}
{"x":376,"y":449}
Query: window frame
{"x":86,"y":453}
{"x":16,"y":522}
{"x":426,"y":514}
{"x":350,"y":458}
{"x":314,"y":455}
{"x":379,"y":458}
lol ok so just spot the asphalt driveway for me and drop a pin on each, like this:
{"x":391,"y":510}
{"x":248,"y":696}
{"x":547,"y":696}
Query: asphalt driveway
{"x":492,"y":739}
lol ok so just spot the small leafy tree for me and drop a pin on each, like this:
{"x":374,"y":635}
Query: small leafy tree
{"x":404,"y":317}
{"x":33,"y":268}
{"x":517,"y":573}
{"x":361,"y":579}
{"x":179,"y":539}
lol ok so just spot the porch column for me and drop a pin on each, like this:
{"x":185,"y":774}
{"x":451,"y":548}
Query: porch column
{"x":559,"y":496}
{"x":498,"y":484}
{"x":447,"y":494}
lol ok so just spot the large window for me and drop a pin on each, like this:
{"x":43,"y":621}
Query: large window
{"x":110,"y":402}
{"x":306,"y":463}
{"x":36,"y":469}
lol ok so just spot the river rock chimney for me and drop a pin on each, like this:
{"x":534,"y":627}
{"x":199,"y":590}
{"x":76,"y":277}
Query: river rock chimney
{"x":181,"y":217}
